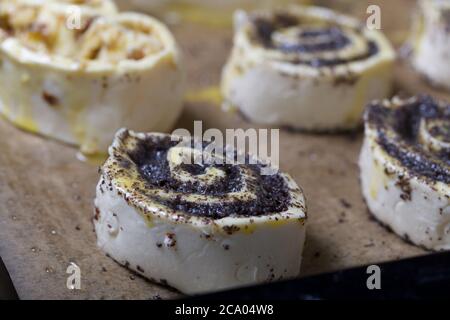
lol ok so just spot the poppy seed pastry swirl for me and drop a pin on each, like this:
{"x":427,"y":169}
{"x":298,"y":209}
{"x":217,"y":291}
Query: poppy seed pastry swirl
{"x":197,"y":226}
{"x":405,"y":168}
{"x":315,"y":46}
{"x":305,"y":67}
{"x":431,"y":41}
{"x":79,"y":78}
{"x":210,"y":190}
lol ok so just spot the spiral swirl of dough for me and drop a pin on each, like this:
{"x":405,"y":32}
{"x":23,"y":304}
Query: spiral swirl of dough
{"x":415,"y":132}
{"x":78,"y":72}
{"x":101,"y":36}
{"x":161,"y":172}
{"x":306,"y":68}
{"x":310,"y":41}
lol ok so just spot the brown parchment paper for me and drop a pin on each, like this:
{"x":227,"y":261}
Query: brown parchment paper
{"x":46,"y":194}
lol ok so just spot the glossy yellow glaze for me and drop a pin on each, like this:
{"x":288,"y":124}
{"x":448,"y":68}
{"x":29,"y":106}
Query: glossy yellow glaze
{"x":210,"y":95}
{"x":378,"y":178}
{"x":215,"y":17}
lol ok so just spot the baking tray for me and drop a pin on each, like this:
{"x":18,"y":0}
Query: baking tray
{"x":46,"y":194}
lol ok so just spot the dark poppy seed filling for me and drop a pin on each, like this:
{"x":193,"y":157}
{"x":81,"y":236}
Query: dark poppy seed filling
{"x":271,"y":193}
{"x":311,"y":39}
{"x":399,"y":135}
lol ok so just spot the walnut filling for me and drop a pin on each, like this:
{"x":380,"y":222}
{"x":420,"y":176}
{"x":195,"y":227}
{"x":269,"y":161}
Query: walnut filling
{"x":117,"y":42}
{"x":44,"y":30}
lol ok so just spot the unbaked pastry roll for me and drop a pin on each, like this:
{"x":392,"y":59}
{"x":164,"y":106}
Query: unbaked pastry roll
{"x":431,"y":42}
{"x":306,"y":68}
{"x":80,"y":85}
{"x":196,"y":227}
{"x":405,"y":168}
